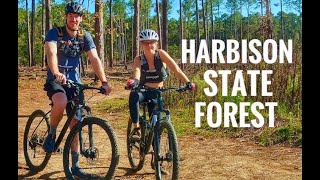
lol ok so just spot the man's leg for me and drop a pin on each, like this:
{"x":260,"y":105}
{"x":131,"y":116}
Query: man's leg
{"x":75,"y":153}
{"x":59,"y":101}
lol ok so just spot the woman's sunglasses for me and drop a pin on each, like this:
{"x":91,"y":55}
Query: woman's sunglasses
{"x":148,"y":42}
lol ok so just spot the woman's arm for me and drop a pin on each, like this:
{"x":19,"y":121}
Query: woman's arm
{"x":136,"y":68}
{"x":165,"y":57}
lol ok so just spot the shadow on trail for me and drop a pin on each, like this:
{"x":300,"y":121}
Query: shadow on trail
{"x":29,"y":174}
{"x":131,"y":173}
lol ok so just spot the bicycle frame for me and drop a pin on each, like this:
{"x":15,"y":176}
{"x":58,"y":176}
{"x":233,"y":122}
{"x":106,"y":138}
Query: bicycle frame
{"x":152,"y":125}
{"x":78,"y":104}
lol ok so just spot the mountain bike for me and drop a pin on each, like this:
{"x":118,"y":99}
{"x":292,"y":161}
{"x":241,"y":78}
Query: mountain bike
{"x":99,"y":154}
{"x":157,"y":131}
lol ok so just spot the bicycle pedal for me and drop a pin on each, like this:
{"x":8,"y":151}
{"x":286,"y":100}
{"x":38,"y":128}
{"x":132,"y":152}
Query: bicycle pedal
{"x":59,"y":151}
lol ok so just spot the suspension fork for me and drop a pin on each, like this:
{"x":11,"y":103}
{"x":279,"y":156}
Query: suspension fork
{"x":79,"y":124}
{"x":157,"y":135}
{"x":156,"y":147}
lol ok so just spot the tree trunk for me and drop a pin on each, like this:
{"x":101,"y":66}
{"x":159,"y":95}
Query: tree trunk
{"x":159,"y":24}
{"x":269,"y":21}
{"x":181,"y":32}
{"x":33,"y":29}
{"x":43,"y":32}
{"x":99,"y":30}
{"x":136,"y":27}
{"x":165,"y":25}
{"x":281,"y":17}
{"x":204,"y":20}
{"x":28,"y":34}
{"x":48,"y":15}
{"x":212,"y":34}
{"x":241,"y":22}
{"x":125,"y":47}
{"x":197,"y":22}
{"x":111,"y":35}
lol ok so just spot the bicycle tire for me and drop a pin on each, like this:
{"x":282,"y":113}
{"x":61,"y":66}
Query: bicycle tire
{"x":35,"y":141}
{"x":172,"y":154}
{"x":110,"y":135}
{"x":134,"y":166}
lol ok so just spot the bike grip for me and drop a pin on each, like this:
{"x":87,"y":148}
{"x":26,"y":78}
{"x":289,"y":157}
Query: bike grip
{"x":190,"y":86}
{"x":102,"y":90}
{"x":130,"y":83}
{"x":193,"y":86}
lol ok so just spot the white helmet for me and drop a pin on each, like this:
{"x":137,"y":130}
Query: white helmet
{"x":148,"y":34}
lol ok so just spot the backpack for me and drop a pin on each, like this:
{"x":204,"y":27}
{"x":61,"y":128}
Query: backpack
{"x":80,"y":35}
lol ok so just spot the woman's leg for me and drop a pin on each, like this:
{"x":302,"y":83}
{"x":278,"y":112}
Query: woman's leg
{"x":134,"y":100}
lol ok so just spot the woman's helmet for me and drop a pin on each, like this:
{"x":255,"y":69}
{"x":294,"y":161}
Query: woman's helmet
{"x":148,"y":34}
{"x":74,"y":7}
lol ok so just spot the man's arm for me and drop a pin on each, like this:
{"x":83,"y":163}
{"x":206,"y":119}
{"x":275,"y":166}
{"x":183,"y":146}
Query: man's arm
{"x":52,"y":59}
{"x":96,"y":64}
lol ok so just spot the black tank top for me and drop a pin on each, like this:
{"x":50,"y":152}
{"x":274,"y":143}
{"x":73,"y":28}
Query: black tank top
{"x":157,"y":75}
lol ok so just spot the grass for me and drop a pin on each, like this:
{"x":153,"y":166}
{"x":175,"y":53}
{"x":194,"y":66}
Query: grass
{"x":115,"y":105}
{"x":288,"y":128}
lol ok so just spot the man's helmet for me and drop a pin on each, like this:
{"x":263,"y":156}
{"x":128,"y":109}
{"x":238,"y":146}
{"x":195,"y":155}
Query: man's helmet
{"x":74,"y":7}
{"x":148,"y":34}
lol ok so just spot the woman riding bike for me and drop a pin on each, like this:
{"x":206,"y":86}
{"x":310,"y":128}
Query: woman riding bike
{"x":149,"y":69}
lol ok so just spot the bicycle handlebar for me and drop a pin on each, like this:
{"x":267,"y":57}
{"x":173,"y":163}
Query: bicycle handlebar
{"x":141,"y":88}
{"x":71,"y":83}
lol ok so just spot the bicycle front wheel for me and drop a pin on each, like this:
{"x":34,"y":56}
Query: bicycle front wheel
{"x":100,"y":156}
{"x":166,"y":153}
{"x":135,"y":154}
{"x":35,"y":132}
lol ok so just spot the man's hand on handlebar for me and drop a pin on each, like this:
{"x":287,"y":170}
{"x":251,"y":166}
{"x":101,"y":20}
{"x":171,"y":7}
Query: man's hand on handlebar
{"x":60,"y":78}
{"x":106,"y":87}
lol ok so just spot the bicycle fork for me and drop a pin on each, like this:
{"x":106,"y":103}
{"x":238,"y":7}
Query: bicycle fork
{"x":90,"y":151}
{"x":156,"y":143}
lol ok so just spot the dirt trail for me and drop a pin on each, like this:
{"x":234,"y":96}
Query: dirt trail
{"x":201,"y":157}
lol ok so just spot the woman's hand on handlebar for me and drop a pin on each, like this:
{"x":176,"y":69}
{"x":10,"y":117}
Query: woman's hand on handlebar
{"x":190,"y":86}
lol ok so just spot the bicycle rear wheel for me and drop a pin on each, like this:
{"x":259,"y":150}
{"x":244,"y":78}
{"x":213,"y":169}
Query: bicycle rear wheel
{"x":35,"y":132}
{"x":167,"y":164}
{"x":100,"y":159}
{"x":135,"y":155}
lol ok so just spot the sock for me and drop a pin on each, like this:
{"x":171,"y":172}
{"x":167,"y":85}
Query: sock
{"x":75,"y":159}
{"x":53,"y":130}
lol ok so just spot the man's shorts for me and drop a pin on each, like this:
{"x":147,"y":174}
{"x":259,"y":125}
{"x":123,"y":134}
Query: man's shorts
{"x":53,"y":87}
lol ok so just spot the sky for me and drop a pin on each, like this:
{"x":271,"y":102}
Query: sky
{"x":175,"y":7}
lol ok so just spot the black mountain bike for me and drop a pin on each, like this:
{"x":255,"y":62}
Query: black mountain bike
{"x":158,"y":132}
{"x":99,"y":154}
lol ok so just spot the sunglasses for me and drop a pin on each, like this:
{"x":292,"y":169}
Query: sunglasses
{"x":148,"y":42}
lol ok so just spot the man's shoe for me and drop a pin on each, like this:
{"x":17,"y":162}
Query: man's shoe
{"x":136,"y":135}
{"x":79,"y":173}
{"x":48,"y":144}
